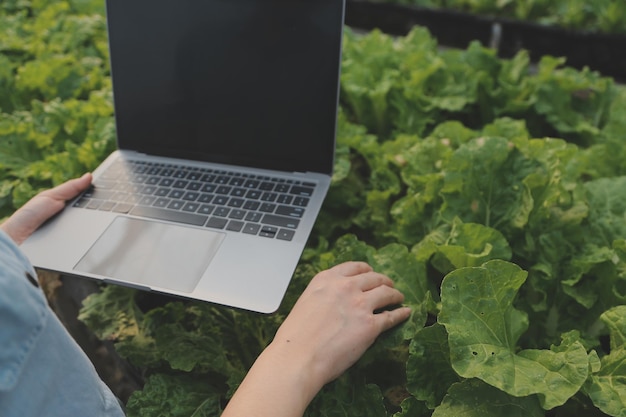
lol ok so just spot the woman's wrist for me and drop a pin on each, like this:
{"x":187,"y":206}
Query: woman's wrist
{"x":281,"y":383}
{"x":301,"y":369}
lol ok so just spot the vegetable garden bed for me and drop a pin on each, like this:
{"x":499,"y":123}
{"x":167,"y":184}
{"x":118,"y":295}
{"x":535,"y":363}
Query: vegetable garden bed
{"x":493,"y":196}
{"x":598,"y":50}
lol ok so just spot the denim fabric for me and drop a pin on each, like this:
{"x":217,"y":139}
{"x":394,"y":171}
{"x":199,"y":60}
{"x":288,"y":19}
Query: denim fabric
{"x":43,"y":372}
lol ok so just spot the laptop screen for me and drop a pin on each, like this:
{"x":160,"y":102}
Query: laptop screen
{"x":246,"y":82}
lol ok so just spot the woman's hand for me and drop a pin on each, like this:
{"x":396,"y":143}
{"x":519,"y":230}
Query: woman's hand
{"x":334,"y":321}
{"x":331,"y":325}
{"x":42,"y":207}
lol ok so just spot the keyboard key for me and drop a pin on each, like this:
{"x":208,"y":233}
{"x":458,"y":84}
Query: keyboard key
{"x":251,"y":205}
{"x":269,"y":197}
{"x":191,"y":207}
{"x":194,"y":176}
{"x":181,"y":173}
{"x":267,"y":207}
{"x":169,"y":215}
{"x":162,"y":192}
{"x":166,"y":182}
{"x":251,"y":183}
{"x":281,"y":188}
{"x":217,"y":222}
{"x":238,"y":192}
{"x":221,"y":211}
{"x":194,"y":186}
{"x":284,"y":199}
{"x":81,"y":203}
{"x":107,"y":206}
{"x":220,"y":200}
{"x":162,"y":202}
{"x":105,"y":185}
{"x":122,"y":208}
{"x":99,"y":194}
{"x":208,"y":178}
{"x":206,"y":209}
{"x":253,"y":194}
{"x":301,"y":201}
{"x":237,"y":214}
{"x":175,"y":205}
{"x":290,"y":211}
{"x":236,"y":202}
{"x":180,"y":184}
{"x":147,"y":200}
{"x":285,"y":234}
{"x":191,"y":196}
{"x":224,"y":189}
{"x":302,"y":191}
{"x":280,"y":221}
{"x":235,"y":226}
{"x":94,"y":204}
{"x":205,"y":198}
{"x":176,"y":194}
{"x":266,"y":186}
{"x":251,"y":228}
{"x":268,"y":231}
{"x":148,"y":190}
{"x":138,"y":178}
{"x":253,"y":216}
{"x":237,"y":181}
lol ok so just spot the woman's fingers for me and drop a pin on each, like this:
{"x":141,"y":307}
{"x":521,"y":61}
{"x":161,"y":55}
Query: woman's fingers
{"x":383,"y":296}
{"x":69,"y":189}
{"x":388,"y":319}
{"x":371,"y":279}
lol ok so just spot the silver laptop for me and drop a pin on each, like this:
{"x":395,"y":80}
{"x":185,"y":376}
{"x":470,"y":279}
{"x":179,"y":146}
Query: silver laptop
{"x":226,"y":116}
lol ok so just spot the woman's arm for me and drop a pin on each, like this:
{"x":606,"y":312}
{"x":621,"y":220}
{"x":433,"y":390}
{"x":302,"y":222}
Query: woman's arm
{"x":328,"y":330}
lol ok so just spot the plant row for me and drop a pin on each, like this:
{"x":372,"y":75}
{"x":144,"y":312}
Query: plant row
{"x":606,"y":16}
{"x":491,"y":191}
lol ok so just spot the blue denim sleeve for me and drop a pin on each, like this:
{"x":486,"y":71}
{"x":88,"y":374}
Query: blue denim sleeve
{"x":43,"y":372}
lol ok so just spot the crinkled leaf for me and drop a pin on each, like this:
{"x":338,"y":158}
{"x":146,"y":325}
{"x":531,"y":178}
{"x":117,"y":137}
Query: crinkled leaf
{"x":346,"y":397}
{"x":409,"y":276}
{"x":411,"y":407}
{"x":607,"y":209}
{"x":428,"y":371}
{"x":470,"y":244}
{"x":484,"y":327}
{"x":474,"y":398}
{"x":484,"y":183}
{"x":607,"y":386}
{"x":175,"y":396}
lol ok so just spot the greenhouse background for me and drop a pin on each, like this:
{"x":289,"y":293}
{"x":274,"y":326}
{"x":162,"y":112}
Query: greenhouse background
{"x":480,"y":163}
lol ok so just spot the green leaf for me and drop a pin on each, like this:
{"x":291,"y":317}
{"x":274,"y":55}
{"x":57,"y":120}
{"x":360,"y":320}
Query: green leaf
{"x":484,"y":327}
{"x":607,"y":209}
{"x":607,"y":387}
{"x":409,"y":276}
{"x":470,"y":244}
{"x":346,"y":397}
{"x":428,"y":371}
{"x":175,"y":396}
{"x":411,"y":407}
{"x":474,"y":398}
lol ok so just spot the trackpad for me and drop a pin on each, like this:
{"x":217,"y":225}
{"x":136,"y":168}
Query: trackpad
{"x":152,"y":254}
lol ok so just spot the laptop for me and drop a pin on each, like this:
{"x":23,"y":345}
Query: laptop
{"x":226,"y":116}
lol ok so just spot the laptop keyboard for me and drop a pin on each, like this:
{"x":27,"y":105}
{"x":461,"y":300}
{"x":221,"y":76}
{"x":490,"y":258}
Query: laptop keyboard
{"x":252,"y":204}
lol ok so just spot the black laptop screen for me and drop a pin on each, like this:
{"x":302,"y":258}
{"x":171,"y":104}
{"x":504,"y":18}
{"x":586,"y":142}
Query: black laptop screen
{"x":248,"y":82}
